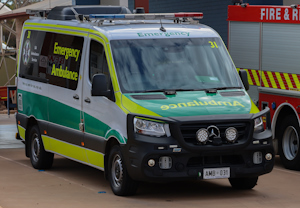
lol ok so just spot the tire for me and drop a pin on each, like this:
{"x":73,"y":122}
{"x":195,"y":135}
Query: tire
{"x":243,"y":183}
{"x":289,"y":143}
{"x":40,"y":159}
{"x":120,"y":182}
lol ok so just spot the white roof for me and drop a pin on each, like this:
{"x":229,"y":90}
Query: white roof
{"x":46,"y":4}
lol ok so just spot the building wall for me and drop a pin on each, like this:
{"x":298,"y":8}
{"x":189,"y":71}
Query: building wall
{"x":215,"y":11}
{"x":264,"y":2}
{"x":114,"y":2}
{"x":290,"y":2}
{"x":11,"y":69}
{"x":131,"y":5}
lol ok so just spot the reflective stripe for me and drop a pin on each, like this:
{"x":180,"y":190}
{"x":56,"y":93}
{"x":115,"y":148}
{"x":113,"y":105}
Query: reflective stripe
{"x":276,"y":80}
{"x":74,"y":152}
{"x":21,"y":132}
{"x":264,"y":80}
{"x":57,"y":31}
{"x":271,"y":78}
{"x":288,"y":80}
{"x":133,"y":107}
{"x":296,"y":80}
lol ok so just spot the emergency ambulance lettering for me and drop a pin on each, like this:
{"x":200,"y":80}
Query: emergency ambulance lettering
{"x":64,"y":73}
{"x":67,"y":52}
{"x":236,"y":103}
{"x":195,"y":103}
{"x":164,"y":34}
{"x":181,"y":104}
{"x":191,"y":104}
{"x":173,"y":106}
{"x":224,"y":103}
{"x":205,"y":103}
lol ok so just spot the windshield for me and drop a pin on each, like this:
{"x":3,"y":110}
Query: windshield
{"x":173,"y":64}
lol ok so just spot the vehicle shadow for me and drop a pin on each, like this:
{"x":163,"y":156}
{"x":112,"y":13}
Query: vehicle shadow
{"x":182,"y":190}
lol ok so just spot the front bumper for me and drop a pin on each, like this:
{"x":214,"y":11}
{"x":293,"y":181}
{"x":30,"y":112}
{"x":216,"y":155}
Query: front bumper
{"x":189,"y":160}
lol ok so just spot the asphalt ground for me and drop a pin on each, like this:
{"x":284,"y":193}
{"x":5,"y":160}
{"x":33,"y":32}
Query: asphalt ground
{"x":71,"y":184}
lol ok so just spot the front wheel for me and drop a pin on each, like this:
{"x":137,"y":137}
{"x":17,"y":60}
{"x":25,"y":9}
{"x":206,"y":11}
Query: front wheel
{"x":120,"y":182}
{"x":243,"y":183}
{"x":40,"y":159}
{"x":289,"y":143}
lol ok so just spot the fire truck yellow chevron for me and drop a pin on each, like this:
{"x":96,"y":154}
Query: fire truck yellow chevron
{"x":296,"y":80}
{"x":277,"y":80}
{"x":256,"y":76}
{"x":264,"y":80}
{"x":272,"y":80}
{"x":280,"y":81}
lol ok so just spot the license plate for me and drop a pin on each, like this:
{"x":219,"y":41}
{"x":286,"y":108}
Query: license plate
{"x":212,"y":173}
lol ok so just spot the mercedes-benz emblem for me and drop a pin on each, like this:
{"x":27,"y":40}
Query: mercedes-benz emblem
{"x":213,"y":131}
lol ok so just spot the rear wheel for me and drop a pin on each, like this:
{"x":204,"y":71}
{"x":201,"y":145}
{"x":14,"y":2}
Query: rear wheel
{"x":243,"y":183}
{"x":289,"y":143}
{"x":40,"y":159}
{"x":120,"y":182}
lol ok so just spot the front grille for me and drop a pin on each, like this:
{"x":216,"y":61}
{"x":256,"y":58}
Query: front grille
{"x":189,"y":131}
{"x":215,"y":160}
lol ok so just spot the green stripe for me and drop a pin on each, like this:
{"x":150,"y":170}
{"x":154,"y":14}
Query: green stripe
{"x":94,"y":126}
{"x":64,"y":115}
{"x":34,"y":105}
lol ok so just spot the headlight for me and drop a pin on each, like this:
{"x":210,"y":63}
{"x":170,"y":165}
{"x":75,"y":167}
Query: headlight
{"x":151,"y":128}
{"x":258,"y":125}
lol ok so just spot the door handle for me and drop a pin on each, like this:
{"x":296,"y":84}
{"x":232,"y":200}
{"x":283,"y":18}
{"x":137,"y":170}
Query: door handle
{"x":87,"y":100}
{"x":76,"y":97}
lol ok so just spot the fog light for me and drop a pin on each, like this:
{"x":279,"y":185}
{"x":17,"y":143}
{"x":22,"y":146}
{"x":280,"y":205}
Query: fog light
{"x":202,"y":135}
{"x":257,"y":157}
{"x":151,"y":162}
{"x":269,"y":156}
{"x":165,"y":162}
{"x":231,"y":134}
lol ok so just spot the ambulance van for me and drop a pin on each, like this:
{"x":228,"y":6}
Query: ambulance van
{"x":143,"y":97}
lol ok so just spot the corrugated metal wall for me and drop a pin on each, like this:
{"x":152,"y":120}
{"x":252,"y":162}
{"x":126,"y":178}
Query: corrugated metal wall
{"x":215,"y":11}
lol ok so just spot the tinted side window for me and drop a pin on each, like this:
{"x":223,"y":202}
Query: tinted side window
{"x":98,"y":62}
{"x":30,"y":56}
{"x":51,"y":57}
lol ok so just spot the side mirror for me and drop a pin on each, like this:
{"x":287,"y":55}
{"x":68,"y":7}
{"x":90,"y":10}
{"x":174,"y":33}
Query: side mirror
{"x":99,"y":85}
{"x":244,"y":77}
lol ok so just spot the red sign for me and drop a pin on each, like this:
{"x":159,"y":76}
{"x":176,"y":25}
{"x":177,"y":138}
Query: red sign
{"x":274,"y":14}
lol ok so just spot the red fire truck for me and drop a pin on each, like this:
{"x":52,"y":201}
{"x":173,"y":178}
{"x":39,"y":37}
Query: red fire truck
{"x":265,"y":41}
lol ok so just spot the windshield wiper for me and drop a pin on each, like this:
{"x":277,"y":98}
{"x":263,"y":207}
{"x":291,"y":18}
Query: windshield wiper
{"x":169,"y":91}
{"x":214,"y":90}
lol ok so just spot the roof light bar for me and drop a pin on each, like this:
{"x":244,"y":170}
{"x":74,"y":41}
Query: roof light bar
{"x":154,"y":16}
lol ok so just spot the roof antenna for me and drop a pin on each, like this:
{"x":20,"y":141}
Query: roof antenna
{"x":162,"y":27}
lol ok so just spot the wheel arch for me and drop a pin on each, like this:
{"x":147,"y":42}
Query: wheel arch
{"x":283,"y":110}
{"x":31,"y":122}
{"x":112,"y":141}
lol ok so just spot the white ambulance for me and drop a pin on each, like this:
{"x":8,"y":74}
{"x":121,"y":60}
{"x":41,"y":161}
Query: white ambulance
{"x":144,"y":97}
